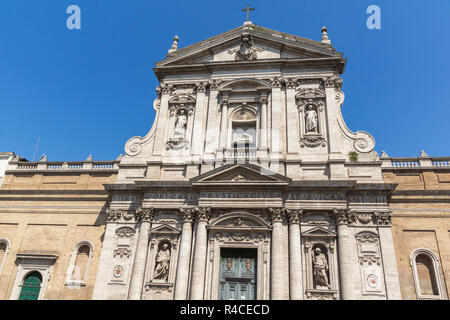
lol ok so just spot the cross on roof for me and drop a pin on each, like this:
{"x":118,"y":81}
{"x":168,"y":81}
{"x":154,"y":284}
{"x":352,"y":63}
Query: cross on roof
{"x":248,"y":9}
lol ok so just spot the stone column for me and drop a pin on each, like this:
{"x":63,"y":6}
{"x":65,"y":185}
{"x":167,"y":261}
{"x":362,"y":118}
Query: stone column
{"x":384,"y":221}
{"x":103,"y":271}
{"x":199,"y":265}
{"x":276,"y":272}
{"x":348,"y":260}
{"x":295,"y":254}
{"x":197,"y":136}
{"x":145,"y":216}
{"x":184,"y":257}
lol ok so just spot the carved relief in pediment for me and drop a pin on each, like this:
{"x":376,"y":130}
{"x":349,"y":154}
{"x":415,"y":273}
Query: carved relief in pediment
{"x":247,"y":51}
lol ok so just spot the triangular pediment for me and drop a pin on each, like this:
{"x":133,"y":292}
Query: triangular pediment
{"x":318,"y":232}
{"x":165,"y":229}
{"x":240,"y":174}
{"x":267,"y":44}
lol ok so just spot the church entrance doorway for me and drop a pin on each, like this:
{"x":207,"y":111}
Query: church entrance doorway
{"x":237,"y":274}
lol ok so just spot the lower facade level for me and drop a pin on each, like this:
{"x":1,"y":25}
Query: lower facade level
{"x":209,"y":238}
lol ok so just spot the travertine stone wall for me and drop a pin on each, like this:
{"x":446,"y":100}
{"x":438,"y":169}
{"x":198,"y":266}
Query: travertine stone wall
{"x":421,"y":219}
{"x":53,"y":212}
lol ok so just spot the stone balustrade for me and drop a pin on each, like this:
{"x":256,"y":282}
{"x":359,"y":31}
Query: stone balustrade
{"x":415,"y":162}
{"x":57,"y":166}
{"x":241,"y":153}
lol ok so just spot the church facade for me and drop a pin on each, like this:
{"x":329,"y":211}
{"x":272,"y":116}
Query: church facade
{"x":248,"y":186}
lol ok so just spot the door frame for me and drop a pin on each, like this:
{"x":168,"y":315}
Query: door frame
{"x":256,"y":267}
{"x":28,"y":263}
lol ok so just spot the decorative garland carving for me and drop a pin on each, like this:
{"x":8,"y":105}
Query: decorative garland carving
{"x":125,"y":232}
{"x":122,"y":253}
{"x":313,"y":141}
{"x":115,"y":215}
{"x":254,"y":237}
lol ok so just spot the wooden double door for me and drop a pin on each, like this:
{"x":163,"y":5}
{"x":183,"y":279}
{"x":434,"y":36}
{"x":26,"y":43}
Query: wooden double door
{"x":237,"y":274}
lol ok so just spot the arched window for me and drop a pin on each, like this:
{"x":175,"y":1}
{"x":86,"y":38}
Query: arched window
{"x":4,"y":248}
{"x":31,"y":286}
{"x":79,"y":265}
{"x":426,"y":274}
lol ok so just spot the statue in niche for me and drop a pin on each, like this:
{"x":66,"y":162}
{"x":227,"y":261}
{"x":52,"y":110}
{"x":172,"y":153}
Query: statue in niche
{"x":180,"y":125}
{"x":311,"y":120}
{"x":320,"y":267}
{"x":162,"y":263}
{"x":247,"y":51}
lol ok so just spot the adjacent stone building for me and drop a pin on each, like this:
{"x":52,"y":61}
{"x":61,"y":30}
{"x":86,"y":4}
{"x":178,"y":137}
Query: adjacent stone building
{"x":249,"y":185}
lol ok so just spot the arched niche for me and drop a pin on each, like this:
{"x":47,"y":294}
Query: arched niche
{"x":426,"y":274}
{"x":244,"y":124}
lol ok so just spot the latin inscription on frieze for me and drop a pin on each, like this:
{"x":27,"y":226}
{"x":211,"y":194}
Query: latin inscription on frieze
{"x":171,"y":196}
{"x":240,"y":195}
{"x":315,"y":196}
{"x":368,"y":199}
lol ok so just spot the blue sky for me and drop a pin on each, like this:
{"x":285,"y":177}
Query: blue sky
{"x":88,"y":91}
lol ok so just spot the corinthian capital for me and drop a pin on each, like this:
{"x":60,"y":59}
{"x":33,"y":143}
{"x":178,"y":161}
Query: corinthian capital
{"x":114,"y":215}
{"x":145,"y":214}
{"x":276,"y":82}
{"x":167,"y":88}
{"x":290,"y":83}
{"x":188,"y":214}
{"x":214,"y":84}
{"x":333,"y":82}
{"x":200,"y":87}
{"x":276,"y":214}
{"x":203,"y":213}
{"x":344,"y":216}
{"x":294,"y":215}
{"x":383,"y":218}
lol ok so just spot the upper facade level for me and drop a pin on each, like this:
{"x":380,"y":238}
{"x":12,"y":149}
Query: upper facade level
{"x":251,"y":95}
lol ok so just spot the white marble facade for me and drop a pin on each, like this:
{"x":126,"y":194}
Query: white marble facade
{"x":249,"y":153}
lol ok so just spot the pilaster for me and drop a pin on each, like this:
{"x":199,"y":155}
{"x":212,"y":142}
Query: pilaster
{"x":184,"y":259}
{"x":384,"y":221}
{"x":145,"y":216}
{"x":199,"y":265}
